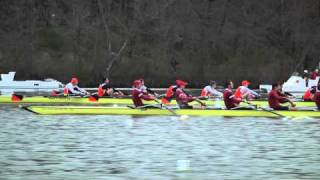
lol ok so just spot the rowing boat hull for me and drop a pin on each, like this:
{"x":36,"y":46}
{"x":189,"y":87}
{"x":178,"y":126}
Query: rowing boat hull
{"x":103,"y":101}
{"x":90,"y":110}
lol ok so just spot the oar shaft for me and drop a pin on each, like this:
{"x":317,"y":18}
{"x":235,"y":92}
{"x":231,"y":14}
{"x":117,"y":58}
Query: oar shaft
{"x":166,"y":107}
{"x":270,"y":111}
{"x":200,"y":102}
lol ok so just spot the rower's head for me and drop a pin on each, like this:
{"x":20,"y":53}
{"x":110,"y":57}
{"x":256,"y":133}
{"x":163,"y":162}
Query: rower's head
{"x":276,"y":86}
{"x":181,"y":84}
{"x":137,"y":84}
{"x":74,"y":81}
{"x":316,"y":70}
{"x":245,"y":83}
{"x":142,"y":81}
{"x":106,"y":80}
{"x":229,"y":84}
{"x":213,"y":84}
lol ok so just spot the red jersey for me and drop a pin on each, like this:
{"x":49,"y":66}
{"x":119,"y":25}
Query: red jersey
{"x":138,"y":95}
{"x":307,"y":95}
{"x":316,"y":97}
{"x":170,"y":93}
{"x":230,"y":100}
{"x":182,"y":98}
{"x":274,"y":99}
{"x":314,"y":75}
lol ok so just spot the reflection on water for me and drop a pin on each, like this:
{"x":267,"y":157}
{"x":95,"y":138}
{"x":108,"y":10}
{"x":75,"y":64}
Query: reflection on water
{"x":122,"y":147}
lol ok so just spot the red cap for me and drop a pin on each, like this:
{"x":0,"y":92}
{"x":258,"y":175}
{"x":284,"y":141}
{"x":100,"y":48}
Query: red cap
{"x":245,"y":83}
{"x":181,"y":83}
{"x":136,"y":83}
{"x":74,"y":81}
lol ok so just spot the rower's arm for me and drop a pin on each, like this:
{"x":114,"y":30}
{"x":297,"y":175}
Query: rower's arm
{"x":291,"y":102}
{"x":186,"y":98}
{"x":115,"y":90}
{"x":254,"y":93}
{"x":215,"y":92}
{"x":283,"y":99}
{"x":151,"y":91}
{"x":78,"y":91}
{"x":146,"y":97}
{"x":73,"y":89}
{"x":82,"y":90}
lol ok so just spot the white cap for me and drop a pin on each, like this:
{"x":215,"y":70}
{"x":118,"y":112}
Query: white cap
{"x":305,"y":71}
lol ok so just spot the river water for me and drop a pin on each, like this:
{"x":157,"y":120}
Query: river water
{"x":124,"y":147}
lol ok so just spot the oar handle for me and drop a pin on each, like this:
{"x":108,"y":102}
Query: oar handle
{"x":249,"y":103}
{"x":200,"y":102}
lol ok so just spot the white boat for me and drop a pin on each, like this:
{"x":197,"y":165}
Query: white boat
{"x":295,"y":85}
{"x":8,"y":85}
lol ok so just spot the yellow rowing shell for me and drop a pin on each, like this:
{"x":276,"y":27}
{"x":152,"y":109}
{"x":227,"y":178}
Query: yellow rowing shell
{"x":103,"y":101}
{"x":100,"y":110}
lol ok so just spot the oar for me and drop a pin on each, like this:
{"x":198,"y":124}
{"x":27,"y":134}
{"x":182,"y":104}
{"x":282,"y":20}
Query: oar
{"x":200,"y":102}
{"x":309,"y":108}
{"x":166,"y":107}
{"x":142,"y":107}
{"x":264,"y":109}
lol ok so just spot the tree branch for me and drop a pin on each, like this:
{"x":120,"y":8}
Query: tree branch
{"x":115,"y":57}
{"x":106,"y":26}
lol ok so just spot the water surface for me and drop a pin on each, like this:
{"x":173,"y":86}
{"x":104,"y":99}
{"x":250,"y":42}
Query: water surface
{"x":125,"y":147}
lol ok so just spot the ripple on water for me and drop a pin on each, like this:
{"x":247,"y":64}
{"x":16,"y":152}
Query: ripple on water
{"x":125,"y":147}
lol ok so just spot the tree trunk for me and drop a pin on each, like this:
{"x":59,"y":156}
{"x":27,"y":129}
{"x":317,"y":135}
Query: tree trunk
{"x":111,"y":56}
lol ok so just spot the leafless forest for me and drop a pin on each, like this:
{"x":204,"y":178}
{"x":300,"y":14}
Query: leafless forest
{"x":159,"y":40}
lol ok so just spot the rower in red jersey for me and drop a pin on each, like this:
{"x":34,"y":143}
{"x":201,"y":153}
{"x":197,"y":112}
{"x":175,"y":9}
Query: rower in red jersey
{"x":138,"y":94}
{"x":230,"y":100}
{"x":314,"y":74}
{"x":275,"y":99}
{"x":316,"y":97}
{"x":182,"y":97}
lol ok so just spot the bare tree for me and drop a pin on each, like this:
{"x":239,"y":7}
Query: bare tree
{"x":112,"y":56}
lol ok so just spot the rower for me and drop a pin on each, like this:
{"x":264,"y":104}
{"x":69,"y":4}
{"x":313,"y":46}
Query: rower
{"x":230,"y":100}
{"x":182,"y":97}
{"x":146,"y":89}
{"x":316,"y":97}
{"x":314,"y":74}
{"x":106,"y":90}
{"x":170,"y":93}
{"x":210,"y":90}
{"x":244,"y":92}
{"x":309,"y":94}
{"x":283,"y":93}
{"x":275,"y":99}
{"x":138,"y":94}
{"x":72,"y":88}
